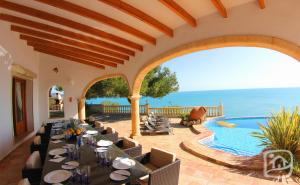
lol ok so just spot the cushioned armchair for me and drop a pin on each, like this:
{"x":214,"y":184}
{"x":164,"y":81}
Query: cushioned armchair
{"x":164,"y":167}
{"x":111,"y":134}
{"x":130,"y":146}
{"x":33,"y":168}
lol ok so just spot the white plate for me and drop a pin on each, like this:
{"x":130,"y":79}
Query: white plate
{"x":68,"y":167}
{"x":57,"y":151}
{"x":116,"y":175}
{"x":101,"y":149}
{"x":68,"y":146}
{"x":104,"y":143}
{"x":86,"y":136}
{"x":72,"y":163}
{"x":57,"y":176}
{"x":61,"y":136}
{"x":123,"y":163}
{"x":92,"y":132}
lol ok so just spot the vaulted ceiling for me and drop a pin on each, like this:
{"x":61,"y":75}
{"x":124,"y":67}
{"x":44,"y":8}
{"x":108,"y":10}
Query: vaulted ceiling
{"x":103,"y":33}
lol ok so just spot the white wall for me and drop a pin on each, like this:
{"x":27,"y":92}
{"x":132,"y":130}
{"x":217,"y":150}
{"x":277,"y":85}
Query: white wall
{"x":72,"y":76}
{"x":22,"y":55}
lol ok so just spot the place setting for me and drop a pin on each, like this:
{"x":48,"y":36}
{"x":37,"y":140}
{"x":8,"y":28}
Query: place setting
{"x":122,"y":166}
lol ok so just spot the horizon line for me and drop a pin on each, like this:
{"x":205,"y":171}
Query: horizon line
{"x":240,"y":89}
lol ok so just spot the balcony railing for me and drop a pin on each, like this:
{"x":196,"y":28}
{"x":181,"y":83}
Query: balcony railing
{"x":212,"y":111}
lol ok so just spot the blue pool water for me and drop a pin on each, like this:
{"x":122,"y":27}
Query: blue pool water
{"x":237,"y":140}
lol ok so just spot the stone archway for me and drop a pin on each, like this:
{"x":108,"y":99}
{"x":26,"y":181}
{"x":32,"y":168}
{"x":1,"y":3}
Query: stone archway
{"x":268,"y":42}
{"x":81,"y":101}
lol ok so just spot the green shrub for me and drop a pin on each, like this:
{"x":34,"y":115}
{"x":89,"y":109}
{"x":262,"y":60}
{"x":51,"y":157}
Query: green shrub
{"x":281,"y":132}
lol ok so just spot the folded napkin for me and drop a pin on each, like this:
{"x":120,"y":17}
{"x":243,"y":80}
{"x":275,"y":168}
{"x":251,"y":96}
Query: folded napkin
{"x":56,"y":141}
{"x":57,"y":160}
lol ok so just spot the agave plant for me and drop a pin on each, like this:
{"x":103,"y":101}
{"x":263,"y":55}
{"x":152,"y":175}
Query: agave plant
{"x":281,"y":132}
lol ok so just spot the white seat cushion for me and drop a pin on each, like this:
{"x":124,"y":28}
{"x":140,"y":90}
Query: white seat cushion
{"x":34,"y":161}
{"x":24,"y":182}
{"x":110,"y":130}
{"x":37,"y":140}
{"x":42,"y":130}
{"x":91,"y":118}
{"x":98,"y":124}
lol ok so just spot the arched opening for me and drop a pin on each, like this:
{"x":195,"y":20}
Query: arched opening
{"x":272,"y":43}
{"x":56,"y":102}
{"x":101,"y":91}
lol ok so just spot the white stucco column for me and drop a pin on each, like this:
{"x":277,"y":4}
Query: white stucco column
{"x":81,"y":109}
{"x":135,"y":116}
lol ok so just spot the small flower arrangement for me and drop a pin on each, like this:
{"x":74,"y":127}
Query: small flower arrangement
{"x":73,"y":130}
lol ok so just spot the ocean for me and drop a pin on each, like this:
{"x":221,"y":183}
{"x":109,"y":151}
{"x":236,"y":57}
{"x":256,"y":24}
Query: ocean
{"x":237,"y":103}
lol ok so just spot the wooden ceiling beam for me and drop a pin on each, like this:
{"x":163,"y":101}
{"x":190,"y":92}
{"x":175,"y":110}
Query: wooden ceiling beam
{"x":220,"y":7}
{"x":130,"y":10}
{"x":90,"y":55}
{"x":69,"y":58}
{"x":177,"y":9}
{"x":65,"y":33}
{"x":68,"y":6}
{"x":71,"y":53}
{"x":69,"y":23}
{"x":262,"y":4}
{"x":67,"y":41}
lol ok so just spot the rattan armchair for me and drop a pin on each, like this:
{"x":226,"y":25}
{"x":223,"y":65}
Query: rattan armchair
{"x":111,"y":134}
{"x":130,"y":146}
{"x":164,"y":167}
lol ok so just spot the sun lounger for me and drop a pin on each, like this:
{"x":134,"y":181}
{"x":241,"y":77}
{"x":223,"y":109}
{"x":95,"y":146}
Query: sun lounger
{"x":154,"y":130}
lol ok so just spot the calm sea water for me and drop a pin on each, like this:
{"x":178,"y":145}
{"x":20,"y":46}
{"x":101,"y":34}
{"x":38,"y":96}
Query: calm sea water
{"x":237,"y":103}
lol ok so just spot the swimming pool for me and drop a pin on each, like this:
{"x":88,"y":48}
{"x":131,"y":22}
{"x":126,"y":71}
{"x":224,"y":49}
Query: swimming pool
{"x":237,"y":140}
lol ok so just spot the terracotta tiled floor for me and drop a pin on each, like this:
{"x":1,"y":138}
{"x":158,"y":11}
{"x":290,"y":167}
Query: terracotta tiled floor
{"x":11,"y":166}
{"x":194,"y":171}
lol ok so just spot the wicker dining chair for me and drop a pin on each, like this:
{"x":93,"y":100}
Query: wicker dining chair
{"x":164,"y":167}
{"x":111,"y":134}
{"x":130,"y":146}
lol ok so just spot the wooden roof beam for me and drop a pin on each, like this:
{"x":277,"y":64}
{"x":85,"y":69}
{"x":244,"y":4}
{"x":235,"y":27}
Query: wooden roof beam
{"x":262,"y":4}
{"x":130,"y":10}
{"x":70,"y":58}
{"x":177,"y":9}
{"x":69,"y":23}
{"x":68,"y":6}
{"x":220,"y":7}
{"x":70,"y":53}
{"x":70,"y":42}
{"x":106,"y":60}
{"x":65,"y":33}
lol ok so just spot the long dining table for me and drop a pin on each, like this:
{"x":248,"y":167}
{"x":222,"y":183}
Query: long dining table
{"x":99,"y":175}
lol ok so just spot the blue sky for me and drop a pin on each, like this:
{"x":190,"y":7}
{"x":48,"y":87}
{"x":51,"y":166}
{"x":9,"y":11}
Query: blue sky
{"x":235,"y":68}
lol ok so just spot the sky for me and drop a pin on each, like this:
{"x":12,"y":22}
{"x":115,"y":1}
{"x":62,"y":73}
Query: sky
{"x":235,"y":68}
